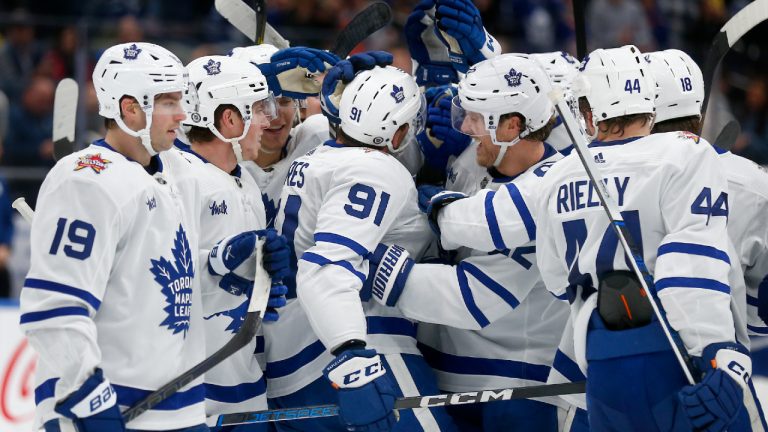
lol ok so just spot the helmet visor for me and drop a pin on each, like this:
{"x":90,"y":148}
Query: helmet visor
{"x":266,"y":107}
{"x":468,"y":122}
{"x":419,"y":122}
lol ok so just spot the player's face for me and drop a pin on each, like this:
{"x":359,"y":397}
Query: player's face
{"x":167,"y":115}
{"x":252,"y":141}
{"x":276,"y":136}
{"x":487,"y":151}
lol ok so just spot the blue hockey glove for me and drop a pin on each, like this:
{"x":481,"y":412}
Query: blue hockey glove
{"x":234,"y":259}
{"x":432,"y":199}
{"x":93,"y":407}
{"x":461,"y":29}
{"x":366,"y":392}
{"x":388,"y":270}
{"x":716,"y":401}
{"x":276,"y":300}
{"x":291,"y":71}
{"x":341,"y":74}
{"x":432,"y":66}
{"x":439,"y":140}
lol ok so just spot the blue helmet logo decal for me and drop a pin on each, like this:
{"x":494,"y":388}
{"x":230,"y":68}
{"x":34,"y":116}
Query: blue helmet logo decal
{"x":212,"y":67}
{"x":397,"y":93}
{"x":131,"y":52}
{"x":513,"y":77}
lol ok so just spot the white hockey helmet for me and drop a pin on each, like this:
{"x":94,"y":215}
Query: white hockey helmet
{"x":679,"y":84}
{"x":561,"y":68}
{"x":509,"y":83}
{"x":142,"y":71}
{"x":616,"y":82}
{"x":377,"y":102}
{"x":222,"y":80}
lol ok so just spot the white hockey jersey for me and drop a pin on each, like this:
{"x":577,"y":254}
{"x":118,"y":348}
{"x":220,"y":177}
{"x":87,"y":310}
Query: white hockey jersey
{"x":304,"y":137}
{"x":748,"y":200}
{"x":502,"y":326}
{"x":231,"y":204}
{"x":112,"y":283}
{"x":464,"y":174}
{"x":669,"y":182}
{"x":337,"y":205}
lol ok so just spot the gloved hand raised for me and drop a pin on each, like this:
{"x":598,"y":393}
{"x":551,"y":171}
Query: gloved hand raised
{"x":291,"y":71}
{"x":461,"y":29}
{"x":341,"y":74}
{"x":432,"y":66}
{"x":439,"y":140}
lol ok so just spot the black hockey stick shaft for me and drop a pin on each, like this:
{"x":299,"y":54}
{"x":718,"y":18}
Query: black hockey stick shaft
{"x":580,"y":28}
{"x":261,"y":20}
{"x":745,"y":20}
{"x":449,"y":399}
{"x":368,"y":21}
{"x":246,"y":333}
{"x":728,"y":135}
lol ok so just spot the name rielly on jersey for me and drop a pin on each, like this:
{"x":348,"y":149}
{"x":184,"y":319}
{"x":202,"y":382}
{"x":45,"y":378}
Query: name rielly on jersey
{"x":580,"y":194}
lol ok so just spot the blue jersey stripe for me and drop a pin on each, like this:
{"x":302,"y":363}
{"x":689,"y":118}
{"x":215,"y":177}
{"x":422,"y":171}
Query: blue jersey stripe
{"x":259,"y":345}
{"x":758,"y":330}
{"x":237,"y":393}
{"x":752,"y":301}
{"x":688,"y":282}
{"x":322,"y":261}
{"x":469,"y":300}
{"x":525,"y":214}
{"x":129,"y":396}
{"x":64,"y":289}
{"x":483,"y":366}
{"x":567,"y":367}
{"x":343,"y":241}
{"x":45,"y":390}
{"x":31,"y":317}
{"x":493,"y":223}
{"x":290,"y":365}
{"x":486,"y":280}
{"x":694,"y":249}
{"x":391,"y":326}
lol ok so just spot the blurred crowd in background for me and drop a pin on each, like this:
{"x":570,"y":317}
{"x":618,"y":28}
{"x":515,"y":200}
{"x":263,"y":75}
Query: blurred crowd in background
{"x":43,"y":41}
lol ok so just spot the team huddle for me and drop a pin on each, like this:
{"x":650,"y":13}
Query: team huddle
{"x":424,"y":234}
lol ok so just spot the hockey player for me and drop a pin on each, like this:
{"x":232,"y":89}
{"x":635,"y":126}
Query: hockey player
{"x":232,"y":109}
{"x":291,"y":77}
{"x":680,"y":91}
{"x":110,"y":302}
{"x":501,"y":327}
{"x":679,"y":195}
{"x":339,"y":201}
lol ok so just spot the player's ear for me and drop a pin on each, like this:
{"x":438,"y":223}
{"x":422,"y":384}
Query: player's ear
{"x":129,"y":106}
{"x":399,"y":136}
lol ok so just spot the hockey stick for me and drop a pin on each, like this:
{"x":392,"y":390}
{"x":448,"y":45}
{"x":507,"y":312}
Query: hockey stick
{"x":450,"y":399}
{"x":256,"y":309}
{"x":243,"y":18}
{"x":728,"y":135}
{"x":21,"y":206}
{"x":580,"y":29}
{"x":617,"y":222}
{"x":64,"y":117}
{"x":261,"y":20}
{"x":745,"y":20}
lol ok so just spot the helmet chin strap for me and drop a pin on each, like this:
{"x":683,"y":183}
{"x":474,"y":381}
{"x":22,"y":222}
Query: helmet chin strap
{"x":143,"y":134}
{"x":235,"y":142}
{"x":504,"y":146}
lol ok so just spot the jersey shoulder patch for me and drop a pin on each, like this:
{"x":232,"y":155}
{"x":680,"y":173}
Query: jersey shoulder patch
{"x":94,"y":161}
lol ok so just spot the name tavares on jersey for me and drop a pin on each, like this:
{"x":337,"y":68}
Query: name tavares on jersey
{"x":580,"y":194}
{"x":295,"y":176}
{"x":175,"y":280}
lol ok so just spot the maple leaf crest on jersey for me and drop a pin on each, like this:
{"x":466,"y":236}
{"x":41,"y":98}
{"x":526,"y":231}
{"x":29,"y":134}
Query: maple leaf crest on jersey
{"x":93,"y":161}
{"x":175,"y":280}
{"x":237,"y":315}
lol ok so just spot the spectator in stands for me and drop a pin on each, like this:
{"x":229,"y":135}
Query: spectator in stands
{"x":59,"y":61}
{"x":20,"y":55}
{"x":753,"y":142}
{"x":28,"y":141}
{"x":614,"y":23}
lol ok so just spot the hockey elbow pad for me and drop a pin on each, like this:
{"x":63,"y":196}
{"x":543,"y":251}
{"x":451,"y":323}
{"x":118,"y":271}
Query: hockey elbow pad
{"x":93,"y":407}
{"x":388,"y":269}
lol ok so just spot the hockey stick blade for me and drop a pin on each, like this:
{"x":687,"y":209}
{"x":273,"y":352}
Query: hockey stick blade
{"x":243,"y":18}
{"x":481,"y":396}
{"x":256,"y":308}
{"x":745,"y":20}
{"x":64,"y":117}
{"x":371,"y":19}
{"x":728,"y":135}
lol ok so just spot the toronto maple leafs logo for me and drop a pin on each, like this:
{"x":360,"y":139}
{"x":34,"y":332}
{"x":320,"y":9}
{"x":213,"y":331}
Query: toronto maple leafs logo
{"x":92,"y":161}
{"x":397,"y":93}
{"x":568,"y":57}
{"x":513,"y":77}
{"x":175,"y":280}
{"x":584,"y":63}
{"x":212,"y":67}
{"x":270,"y":209}
{"x":131,"y":52}
{"x":237,"y":315}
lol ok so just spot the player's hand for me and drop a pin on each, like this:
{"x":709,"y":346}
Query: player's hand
{"x":715,"y":402}
{"x":460,"y":27}
{"x":341,"y":74}
{"x":366,"y":392}
{"x":234,"y":258}
{"x":432,"y":199}
{"x":291,"y":71}
{"x":432,"y":66}
{"x":93,"y":407}
{"x":388,"y":270}
{"x":276,"y":300}
{"x":439,"y":140}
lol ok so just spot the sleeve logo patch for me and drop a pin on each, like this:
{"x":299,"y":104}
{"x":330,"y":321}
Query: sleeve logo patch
{"x":92,"y":161}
